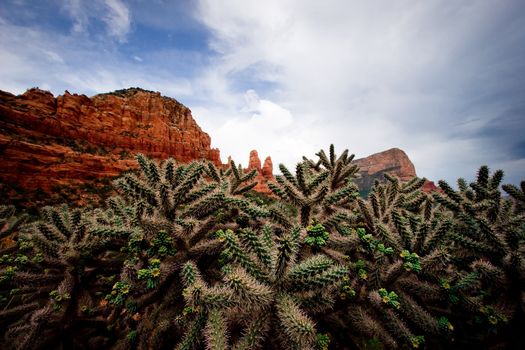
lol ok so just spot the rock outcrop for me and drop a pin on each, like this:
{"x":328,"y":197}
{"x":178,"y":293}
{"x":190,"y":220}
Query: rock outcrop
{"x":264,"y":173}
{"x":254,"y":162}
{"x":430,"y":186}
{"x":267,"y":169}
{"x":71,"y":145}
{"x":48,"y":142}
{"x":393,"y":161}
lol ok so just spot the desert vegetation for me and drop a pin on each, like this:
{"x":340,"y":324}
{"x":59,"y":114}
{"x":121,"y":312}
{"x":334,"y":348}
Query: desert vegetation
{"x":187,"y":257}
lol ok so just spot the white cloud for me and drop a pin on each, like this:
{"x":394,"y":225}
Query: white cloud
{"x":118,"y":19}
{"x":115,"y":14}
{"x":290,"y":77}
{"x":261,"y":125}
{"x":366,"y":76}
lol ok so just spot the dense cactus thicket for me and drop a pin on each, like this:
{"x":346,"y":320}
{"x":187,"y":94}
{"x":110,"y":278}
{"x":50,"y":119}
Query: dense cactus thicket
{"x":185,"y":257}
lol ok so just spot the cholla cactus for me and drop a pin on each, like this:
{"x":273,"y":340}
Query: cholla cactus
{"x":299,"y":192}
{"x":322,"y":192}
{"x":488,"y":250}
{"x":9,"y":227}
{"x":324,"y":195}
{"x":239,"y":181}
{"x":340,"y":168}
{"x":268,"y":294}
{"x":54,"y":278}
{"x":185,"y":259}
{"x":518,"y":194}
{"x":175,"y":208}
{"x":392,"y":292}
{"x":299,"y":285}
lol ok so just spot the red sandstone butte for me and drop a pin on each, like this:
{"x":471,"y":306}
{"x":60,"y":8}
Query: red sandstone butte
{"x":264,"y":173}
{"x":393,"y":161}
{"x":48,"y":142}
{"x":254,"y":162}
{"x":267,"y":169}
{"x":70,"y":139}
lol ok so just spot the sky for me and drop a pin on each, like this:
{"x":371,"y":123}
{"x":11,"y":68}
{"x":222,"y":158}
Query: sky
{"x":442,"y":80}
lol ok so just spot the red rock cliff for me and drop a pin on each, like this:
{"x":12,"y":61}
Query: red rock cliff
{"x":264,"y":173}
{"x":47,"y":142}
{"x":267,"y":169}
{"x":254,"y":162}
{"x":393,"y":161}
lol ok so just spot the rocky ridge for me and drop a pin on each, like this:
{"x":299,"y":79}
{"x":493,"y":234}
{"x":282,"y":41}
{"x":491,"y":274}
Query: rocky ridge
{"x":49,"y":142}
{"x":72,"y":145}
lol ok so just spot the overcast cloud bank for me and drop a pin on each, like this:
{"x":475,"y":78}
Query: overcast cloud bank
{"x":442,"y":80}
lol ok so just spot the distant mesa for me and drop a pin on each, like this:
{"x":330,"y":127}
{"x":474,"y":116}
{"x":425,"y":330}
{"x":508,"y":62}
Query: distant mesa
{"x":394,"y":162}
{"x":50,"y":144}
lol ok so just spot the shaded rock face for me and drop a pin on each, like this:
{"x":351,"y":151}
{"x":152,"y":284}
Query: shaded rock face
{"x":47,"y":142}
{"x":393,"y":161}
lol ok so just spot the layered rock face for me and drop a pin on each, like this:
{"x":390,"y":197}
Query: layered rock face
{"x":264,"y":173}
{"x":72,"y":145}
{"x":47,"y":142}
{"x":393,"y":161}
